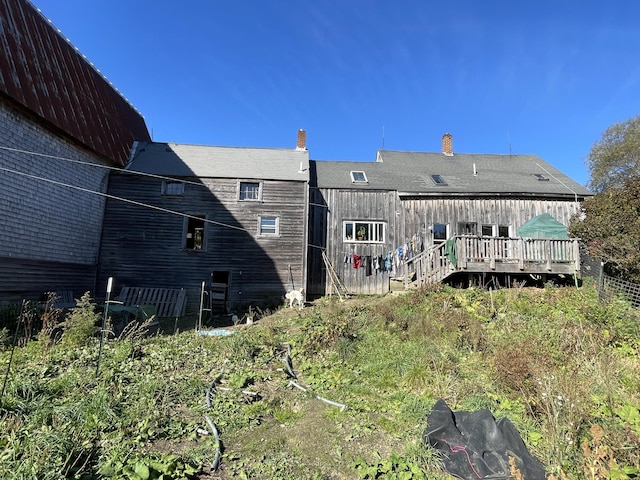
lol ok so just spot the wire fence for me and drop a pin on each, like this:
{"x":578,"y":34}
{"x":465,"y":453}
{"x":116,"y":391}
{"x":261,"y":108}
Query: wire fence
{"x":609,"y":287}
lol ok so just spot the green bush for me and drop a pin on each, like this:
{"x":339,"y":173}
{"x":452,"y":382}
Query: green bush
{"x":80,"y":323}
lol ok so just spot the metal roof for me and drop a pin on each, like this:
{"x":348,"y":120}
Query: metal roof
{"x":410,"y":173}
{"x":178,"y":160}
{"x":43,"y":72}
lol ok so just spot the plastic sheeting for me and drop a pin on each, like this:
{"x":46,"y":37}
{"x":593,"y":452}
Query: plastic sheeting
{"x":474,"y":445}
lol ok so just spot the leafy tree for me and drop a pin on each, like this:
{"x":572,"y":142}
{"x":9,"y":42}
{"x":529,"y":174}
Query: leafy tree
{"x":616,"y":156}
{"x":610,"y":225}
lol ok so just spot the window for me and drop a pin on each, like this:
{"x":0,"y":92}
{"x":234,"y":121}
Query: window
{"x":439,"y":231}
{"x":541,"y":177}
{"x":172,"y":188}
{"x":194,"y":235}
{"x":358,"y":177}
{"x":487,"y":230}
{"x":439,"y":180}
{"x":268,"y":225}
{"x":503,"y":231}
{"x":467,"y":228}
{"x":370,"y":232}
{"x":250,"y":191}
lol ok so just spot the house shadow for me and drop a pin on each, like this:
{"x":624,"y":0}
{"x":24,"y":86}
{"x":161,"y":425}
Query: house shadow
{"x":208,"y":220}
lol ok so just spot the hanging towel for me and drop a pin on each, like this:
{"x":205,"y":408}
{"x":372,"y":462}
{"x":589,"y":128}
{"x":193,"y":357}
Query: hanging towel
{"x":368,"y":265}
{"x":356,"y":260}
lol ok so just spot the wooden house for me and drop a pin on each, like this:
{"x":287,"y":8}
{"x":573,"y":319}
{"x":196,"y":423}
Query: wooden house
{"x":395,"y":218}
{"x":63,"y":126}
{"x":232,"y":218}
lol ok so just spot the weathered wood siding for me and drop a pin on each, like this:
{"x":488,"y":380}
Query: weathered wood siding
{"x":49,"y":231}
{"x":143,"y":247}
{"x":421,"y":214}
{"x":407,"y":219}
{"x":329,"y":209}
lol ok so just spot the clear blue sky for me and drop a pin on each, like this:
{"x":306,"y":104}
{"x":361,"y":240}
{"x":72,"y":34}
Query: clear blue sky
{"x":539,"y":77}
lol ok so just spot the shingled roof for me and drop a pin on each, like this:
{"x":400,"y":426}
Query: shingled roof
{"x":41,"y":71}
{"x":178,"y":160}
{"x":412,"y":174}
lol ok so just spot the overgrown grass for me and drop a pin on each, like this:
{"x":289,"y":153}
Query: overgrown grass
{"x":562,"y":366}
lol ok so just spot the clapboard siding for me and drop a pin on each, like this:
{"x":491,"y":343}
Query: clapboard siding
{"x":32,"y":279}
{"x":142,"y":247}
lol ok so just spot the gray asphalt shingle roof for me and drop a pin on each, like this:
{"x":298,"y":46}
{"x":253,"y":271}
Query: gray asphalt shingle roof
{"x":171,"y":159}
{"x":411,"y":173}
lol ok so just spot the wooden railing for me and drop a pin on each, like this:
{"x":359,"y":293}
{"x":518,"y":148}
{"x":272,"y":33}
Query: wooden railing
{"x":473,"y":254}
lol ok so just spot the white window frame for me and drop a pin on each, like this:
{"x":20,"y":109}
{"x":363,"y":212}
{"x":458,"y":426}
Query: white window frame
{"x":268,"y":230}
{"x":437,"y":241}
{"x":375,"y":230}
{"x":258,"y":198}
{"x":355,"y":174}
{"x":172,"y":188}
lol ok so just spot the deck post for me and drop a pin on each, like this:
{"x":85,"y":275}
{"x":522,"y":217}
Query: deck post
{"x":547,"y":252}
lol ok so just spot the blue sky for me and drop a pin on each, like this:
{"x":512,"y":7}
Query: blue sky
{"x":543,"y":77}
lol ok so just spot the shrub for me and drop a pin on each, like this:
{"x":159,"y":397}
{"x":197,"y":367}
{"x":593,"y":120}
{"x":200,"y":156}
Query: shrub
{"x":80,"y":323}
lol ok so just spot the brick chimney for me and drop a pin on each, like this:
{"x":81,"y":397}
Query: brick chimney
{"x":302,"y":140}
{"x":447,"y":144}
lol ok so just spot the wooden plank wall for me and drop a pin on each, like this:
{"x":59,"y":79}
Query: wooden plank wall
{"x":142,"y":247}
{"x":326,"y":222}
{"x":31,"y":279}
{"x":405,"y":217}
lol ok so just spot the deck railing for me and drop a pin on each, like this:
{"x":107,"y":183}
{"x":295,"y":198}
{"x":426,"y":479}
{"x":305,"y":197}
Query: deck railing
{"x":476,"y":254}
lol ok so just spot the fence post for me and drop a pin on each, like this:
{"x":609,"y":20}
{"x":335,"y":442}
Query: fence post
{"x":601,"y":282}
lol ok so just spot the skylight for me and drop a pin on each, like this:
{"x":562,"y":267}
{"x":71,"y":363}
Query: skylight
{"x":358,"y":176}
{"x":438,"y":180}
{"x":541,"y":177}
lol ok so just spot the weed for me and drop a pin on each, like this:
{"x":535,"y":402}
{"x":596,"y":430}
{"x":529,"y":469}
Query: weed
{"x":80,"y":323}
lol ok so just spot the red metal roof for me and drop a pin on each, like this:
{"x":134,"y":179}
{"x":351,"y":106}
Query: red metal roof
{"x":43,"y":72}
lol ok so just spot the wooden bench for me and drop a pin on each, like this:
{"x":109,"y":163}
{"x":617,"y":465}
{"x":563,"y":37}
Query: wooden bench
{"x":168,"y":302}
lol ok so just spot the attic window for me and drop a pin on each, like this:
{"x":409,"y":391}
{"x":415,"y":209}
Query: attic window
{"x":358,"y":176}
{"x":541,"y":177}
{"x":439,"y":180}
{"x":172,"y":188}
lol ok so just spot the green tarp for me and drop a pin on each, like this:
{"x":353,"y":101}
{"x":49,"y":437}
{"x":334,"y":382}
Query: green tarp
{"x":543,"y":226}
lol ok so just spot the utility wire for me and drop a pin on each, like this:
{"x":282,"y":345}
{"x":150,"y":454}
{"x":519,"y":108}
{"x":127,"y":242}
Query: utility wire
{"x":122,"y":199}
{"x":97,"y":165}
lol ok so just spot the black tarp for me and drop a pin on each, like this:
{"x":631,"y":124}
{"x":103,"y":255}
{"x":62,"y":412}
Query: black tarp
{"x":474,"y":445}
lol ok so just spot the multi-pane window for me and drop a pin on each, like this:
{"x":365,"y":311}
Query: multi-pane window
{"x":172,"y":188}
{"x":370,"y":232}
{"x":268,"y":225}
{"x":194,"y":232}
{"x":249,"y":191}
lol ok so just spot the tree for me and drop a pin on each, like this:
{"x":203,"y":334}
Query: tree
{"x":609,"y":224}
{"x":616,"y":156}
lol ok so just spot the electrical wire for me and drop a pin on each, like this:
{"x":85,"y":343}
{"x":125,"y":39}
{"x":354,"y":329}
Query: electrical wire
{"x":122,"y":199}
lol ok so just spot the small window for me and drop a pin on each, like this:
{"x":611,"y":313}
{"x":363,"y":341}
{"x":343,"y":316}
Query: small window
{"x":194,"y":232}
{"x":369,"y":232}
{"x":467,"y":228}
{"x":503,"y":231}
{"x":268,"y":225}
{"x":249,"y":191}
{"x":172,"y":188}
{"x":439,"y":180}
{"x":439,"y":231}
{"x":358,"y":176}
{"x":487,"y":230}
{"x":541,"y":177}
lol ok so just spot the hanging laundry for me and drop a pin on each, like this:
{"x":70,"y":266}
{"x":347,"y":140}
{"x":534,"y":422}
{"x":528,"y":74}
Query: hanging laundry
{"x":367,"y":265}
{"x":356,"y":260}
{"x":376,"y":262}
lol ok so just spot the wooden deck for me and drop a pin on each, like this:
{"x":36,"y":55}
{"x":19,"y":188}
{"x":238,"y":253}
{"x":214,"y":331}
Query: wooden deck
{"x":481,"y":255}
